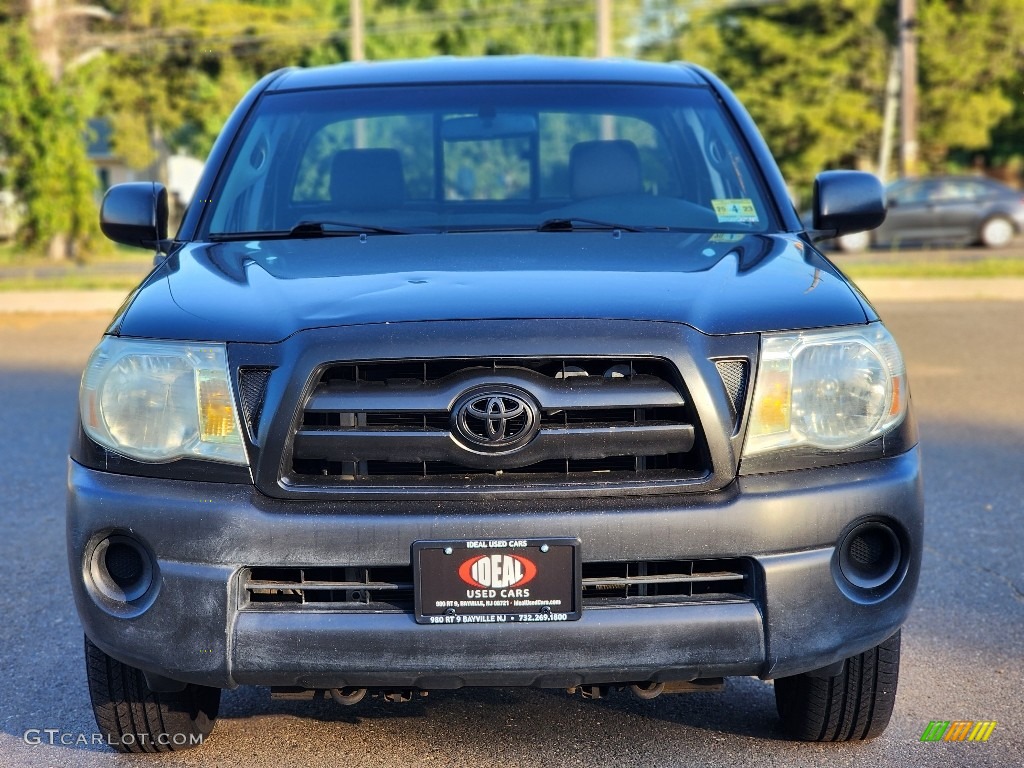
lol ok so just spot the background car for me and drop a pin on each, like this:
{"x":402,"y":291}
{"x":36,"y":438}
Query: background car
{"x":961,"y":209}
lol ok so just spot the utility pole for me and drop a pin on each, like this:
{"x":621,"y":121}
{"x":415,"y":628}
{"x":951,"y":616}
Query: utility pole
{"x":604,"y":28}
{"x":46,"y":34}
{"x":45,"y":31}
{"x":908,"y":87}
{"x":46,"y":21}
{"x":357,"y":37}
{"x":892,"y":100}
{"x":603,"y":10}
{"x":357,"y":53}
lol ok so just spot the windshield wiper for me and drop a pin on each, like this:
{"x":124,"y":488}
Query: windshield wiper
{"x":339,"y":229}
{"x":572,"y":223}
{"x":309,"y":229}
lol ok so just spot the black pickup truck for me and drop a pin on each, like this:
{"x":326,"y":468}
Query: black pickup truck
{"x":501,"y":372}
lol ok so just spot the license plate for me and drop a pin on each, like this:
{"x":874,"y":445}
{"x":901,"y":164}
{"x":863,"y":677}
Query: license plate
{"x":494,"y":581}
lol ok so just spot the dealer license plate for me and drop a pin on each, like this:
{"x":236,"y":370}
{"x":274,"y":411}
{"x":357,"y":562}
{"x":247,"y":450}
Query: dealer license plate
{"x":491,"y":581}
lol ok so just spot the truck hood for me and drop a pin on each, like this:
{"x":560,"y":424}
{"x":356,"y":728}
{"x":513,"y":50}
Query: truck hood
{"x":267,"y":290}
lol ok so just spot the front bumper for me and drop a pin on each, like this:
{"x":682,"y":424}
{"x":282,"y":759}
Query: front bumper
{"x":203,"y":534}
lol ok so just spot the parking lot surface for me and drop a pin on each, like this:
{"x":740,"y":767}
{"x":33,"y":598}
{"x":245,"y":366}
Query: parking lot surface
{"x":963,"y":646}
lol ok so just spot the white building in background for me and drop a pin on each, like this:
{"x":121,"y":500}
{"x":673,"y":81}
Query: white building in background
{"x":183,"y":172}
{"x":179,"y":172}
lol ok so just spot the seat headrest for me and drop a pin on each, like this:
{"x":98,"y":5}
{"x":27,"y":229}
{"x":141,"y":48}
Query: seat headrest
{"x":598,"y":168}
{"x":364,"y":179}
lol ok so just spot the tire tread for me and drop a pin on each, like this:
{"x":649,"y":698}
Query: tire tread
{"x":124,"y":705}
{"x":854,"y":705}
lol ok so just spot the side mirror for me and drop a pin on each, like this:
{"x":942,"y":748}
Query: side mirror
{"x":135,"y":214}
{"x":846,"y":202}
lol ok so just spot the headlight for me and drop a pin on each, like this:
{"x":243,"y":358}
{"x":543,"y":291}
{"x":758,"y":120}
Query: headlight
{"x":826,"y":390}
{"x":158,"y":401}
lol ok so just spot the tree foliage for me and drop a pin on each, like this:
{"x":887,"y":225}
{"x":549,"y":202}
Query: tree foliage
{"x":813,"y":72}
{"x":412,"y":28}
{"x":971,"y":59}
{"x":175,"y":68}
{"x":42,"y":152}
{"x":1008,"y":137}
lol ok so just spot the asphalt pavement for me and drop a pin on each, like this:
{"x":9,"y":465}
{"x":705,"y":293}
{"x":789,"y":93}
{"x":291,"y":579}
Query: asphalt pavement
{"x":963,"y":647}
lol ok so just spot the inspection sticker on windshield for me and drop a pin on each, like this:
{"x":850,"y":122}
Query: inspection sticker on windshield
{"x":735,"y":211}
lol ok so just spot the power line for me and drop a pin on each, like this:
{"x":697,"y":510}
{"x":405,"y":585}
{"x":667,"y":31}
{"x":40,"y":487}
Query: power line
{"x":498,"y":18}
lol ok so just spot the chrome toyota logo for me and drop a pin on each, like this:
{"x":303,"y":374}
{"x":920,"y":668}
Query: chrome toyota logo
{"x":495,"y":419}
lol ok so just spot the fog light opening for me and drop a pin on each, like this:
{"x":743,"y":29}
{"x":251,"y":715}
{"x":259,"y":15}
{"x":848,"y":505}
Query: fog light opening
{"x":870,"y":555}
{"x":121,"y":568}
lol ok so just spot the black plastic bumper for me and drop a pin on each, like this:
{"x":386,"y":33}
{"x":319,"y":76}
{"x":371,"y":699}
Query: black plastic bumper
{"x":203,"y":534}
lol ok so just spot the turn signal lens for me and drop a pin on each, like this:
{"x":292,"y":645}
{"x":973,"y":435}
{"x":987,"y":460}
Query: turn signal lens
{"x":216,"y":408}
{"x":771,"y":409}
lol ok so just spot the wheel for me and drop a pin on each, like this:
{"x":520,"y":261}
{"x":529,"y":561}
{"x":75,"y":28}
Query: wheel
{"x":855,"y":704}
{"x":133,"y":718}
{"x":996,"y":232}
{"x":855,"y":242}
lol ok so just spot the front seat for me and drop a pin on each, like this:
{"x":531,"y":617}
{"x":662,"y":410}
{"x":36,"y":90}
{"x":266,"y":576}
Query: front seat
{"x":367,"y":179}
{"x":602,"y":168}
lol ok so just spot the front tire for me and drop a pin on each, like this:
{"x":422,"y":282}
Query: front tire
{"x":132,"y":718}
{"x":853,"y":705}
{"x":996,"y":232}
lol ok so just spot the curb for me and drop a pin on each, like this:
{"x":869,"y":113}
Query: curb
{"x":61,"y":302}
{"x":942,"y":289}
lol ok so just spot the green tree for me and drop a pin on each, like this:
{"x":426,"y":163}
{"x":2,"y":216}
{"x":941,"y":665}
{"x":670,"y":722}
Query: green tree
{"x":413,"y":28}
{"x":971,"y":58}
{"x":812,"y":73}
{"x":1007,"y":149}
{"x":174,"y":70}
{"x":42,"y":152}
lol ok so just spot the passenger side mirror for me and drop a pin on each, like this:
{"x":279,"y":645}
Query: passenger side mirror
{"x":846,"y":202}
{"x":135,"y":214}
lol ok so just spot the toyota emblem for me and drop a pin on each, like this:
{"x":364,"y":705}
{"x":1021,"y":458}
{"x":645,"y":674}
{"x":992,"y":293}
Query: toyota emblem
{"x":495,"y":419}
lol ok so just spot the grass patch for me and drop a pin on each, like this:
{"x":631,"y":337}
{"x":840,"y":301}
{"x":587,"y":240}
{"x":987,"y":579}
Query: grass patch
{"x":949,"y":269}
{"x":118,"y":269}
{"x":72,"y":282}
{"x":14,"y":255}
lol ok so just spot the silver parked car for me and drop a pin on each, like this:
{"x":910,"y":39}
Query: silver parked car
{"x":961,"y":209}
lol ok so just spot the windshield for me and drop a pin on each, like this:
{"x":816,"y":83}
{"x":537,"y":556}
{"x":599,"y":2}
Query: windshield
{"x":500,"y":156}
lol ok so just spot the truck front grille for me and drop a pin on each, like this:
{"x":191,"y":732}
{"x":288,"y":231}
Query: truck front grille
{"x":389,"y":589}
{"x":495,"y":422}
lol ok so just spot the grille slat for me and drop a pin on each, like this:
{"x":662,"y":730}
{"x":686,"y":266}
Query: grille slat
{"x":368,"y":589}
{"x":575,"y":392}
{"x":385,"y":424}
{"x":668,"y":581}
{"x":400,"y":445}
{"x":605,"y":584}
